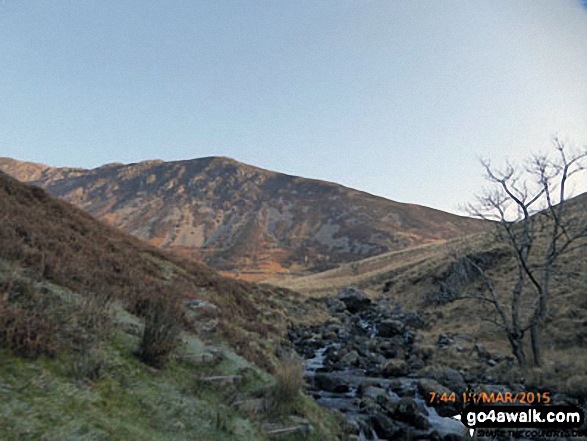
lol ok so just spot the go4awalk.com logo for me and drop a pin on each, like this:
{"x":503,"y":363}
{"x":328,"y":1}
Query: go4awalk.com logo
{"x":532,"y":421}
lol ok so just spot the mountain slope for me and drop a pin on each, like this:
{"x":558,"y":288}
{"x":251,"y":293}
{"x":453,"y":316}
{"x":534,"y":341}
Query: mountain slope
{"x":238,"y":217}
{"x":77,"y":298}
{"x":405,"y":272}
{"x":434,"y":281}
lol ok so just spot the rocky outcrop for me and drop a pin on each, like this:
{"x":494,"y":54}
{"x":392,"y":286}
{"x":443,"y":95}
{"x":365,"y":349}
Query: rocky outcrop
{"x":354,"y":300}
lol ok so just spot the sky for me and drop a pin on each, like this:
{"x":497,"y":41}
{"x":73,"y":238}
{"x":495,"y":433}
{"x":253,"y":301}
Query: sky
{"x":396,"y":98}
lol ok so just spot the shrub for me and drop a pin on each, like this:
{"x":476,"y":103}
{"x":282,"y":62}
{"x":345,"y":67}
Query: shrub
{"x":161,"y":334}
{"x":26,"y":333}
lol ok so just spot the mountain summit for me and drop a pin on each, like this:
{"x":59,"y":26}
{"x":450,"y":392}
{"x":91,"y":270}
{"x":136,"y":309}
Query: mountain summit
{"x":237,"y":217}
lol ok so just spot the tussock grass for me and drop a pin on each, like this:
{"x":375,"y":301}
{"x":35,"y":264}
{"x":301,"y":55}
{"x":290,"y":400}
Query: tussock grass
{"x":289,"y":384}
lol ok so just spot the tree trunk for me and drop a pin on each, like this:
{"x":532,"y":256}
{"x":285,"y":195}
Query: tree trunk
{"x":536,"y":344}
{"x":518,"y":349}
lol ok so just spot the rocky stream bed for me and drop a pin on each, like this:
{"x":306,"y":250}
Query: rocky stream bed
{"x":367,"y":363}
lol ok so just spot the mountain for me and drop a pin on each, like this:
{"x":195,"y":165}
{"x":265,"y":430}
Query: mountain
{"x":86,"y":309}
{"x":241,"y":218}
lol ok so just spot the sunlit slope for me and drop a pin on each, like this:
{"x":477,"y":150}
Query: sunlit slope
{"x":243,"y":219}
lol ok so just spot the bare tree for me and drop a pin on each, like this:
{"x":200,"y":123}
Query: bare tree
{"x":529,"y":206}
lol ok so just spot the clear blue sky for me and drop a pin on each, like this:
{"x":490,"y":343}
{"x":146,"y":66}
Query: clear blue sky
{"x":397,"y":98}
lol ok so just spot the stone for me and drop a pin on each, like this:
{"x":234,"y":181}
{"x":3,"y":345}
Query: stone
{"x":200,"y":304}
{"x":449,"y":377}
{"x":394,"y":368}
{"x":355,"y":300}
{"x":453,"y":380}
{"x":373,"y":392}
{"x":409,"y":412}
{"x":415,"y":363}
{"x":390,"y":328}
{"x":350,"y":359}
{"x":385,"y":427}
{"x":330,"y":383}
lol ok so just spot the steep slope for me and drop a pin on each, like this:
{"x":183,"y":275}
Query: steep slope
{"x":79,"y":303}
{"x":238,"y":217}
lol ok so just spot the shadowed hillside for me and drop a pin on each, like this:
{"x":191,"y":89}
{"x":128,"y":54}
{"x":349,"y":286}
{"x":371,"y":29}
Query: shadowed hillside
{"x":435,"y":282}
{"x":244,"y":219}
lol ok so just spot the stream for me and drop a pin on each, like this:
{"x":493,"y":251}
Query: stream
{"x":366,"y":364}
{"x":348,"y":402}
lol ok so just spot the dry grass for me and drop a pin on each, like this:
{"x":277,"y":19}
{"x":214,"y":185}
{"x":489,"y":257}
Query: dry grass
{"x":289,"y":383}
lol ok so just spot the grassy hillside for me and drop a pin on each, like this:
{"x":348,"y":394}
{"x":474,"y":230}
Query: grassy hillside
{"x":104,"y":337}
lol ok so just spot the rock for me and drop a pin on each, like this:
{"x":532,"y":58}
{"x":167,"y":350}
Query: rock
{"x":451,"y":378}
{"x":427,"y":385}
{"x":336,"y":306}
{"x":385,"y":427}
{"x":414,"y":320}
{"x":444,"y":340}
{"x":394,"y":368}
{"x":454,"y":380}
{"x":388,"y":349}
{"x":224,"y":379}
{"x":330,"y":383}
{"x":415,"y":363}
{"x":408,"y":411}
{"x":354,"y":299}
{"x":350,"y":359}
{"x":491,"y":362}
{"x":204,"y":357}
{"x":390,"y":328}
{"x":200,"y":304}
{"x":373,"y":392}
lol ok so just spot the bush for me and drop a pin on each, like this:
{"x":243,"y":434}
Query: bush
{"x":289,"y":382}
{"x":161,"y":334}
{"x":26,"y":333}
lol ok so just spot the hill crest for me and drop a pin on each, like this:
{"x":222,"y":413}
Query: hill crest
{"x":241,"y":218}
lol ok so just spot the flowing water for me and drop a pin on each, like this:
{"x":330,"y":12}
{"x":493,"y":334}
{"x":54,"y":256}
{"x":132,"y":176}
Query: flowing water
{"x":348,"y":402}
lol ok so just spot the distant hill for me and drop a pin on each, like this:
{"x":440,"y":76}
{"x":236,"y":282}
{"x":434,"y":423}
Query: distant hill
{"x":244,"y":219}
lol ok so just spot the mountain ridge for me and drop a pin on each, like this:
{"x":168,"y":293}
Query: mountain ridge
{"x":242,"y":218}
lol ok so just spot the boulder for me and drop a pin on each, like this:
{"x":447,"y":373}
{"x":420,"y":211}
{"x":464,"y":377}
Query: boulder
{"x":330,"y":383}
{"x":355,"y":300}
{"x":373,"y":392}
{"x":451,"y":378}
{"x":390,"y":328}
{"x":350,"y":359}
{"x":394,"y":368}
{"x":408,"y":411}
{"x":428,"y":385}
